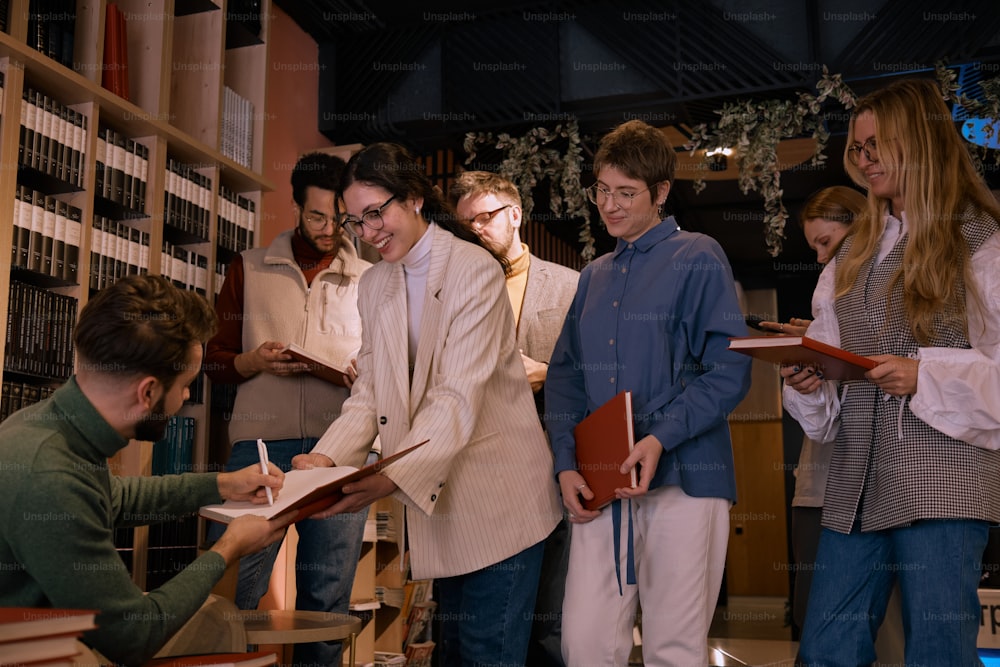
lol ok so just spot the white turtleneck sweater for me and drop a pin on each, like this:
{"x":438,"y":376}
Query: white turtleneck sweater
{"x":416,"y":265}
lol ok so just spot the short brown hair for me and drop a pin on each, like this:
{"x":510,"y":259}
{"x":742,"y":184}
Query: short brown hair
{"x":639,"y":150}
{"x":142,"y":325}
{"x":478,"y":183}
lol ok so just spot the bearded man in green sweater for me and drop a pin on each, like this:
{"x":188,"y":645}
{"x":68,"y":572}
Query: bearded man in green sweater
{"x":139,"y":347}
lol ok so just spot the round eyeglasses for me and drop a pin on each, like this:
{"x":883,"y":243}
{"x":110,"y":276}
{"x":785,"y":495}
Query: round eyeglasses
{"x":869,"y":147}
{"x":623,"y":200}
{"x":317,"y":222}
{"x":371,"y":219}
{"x":480,"y":220}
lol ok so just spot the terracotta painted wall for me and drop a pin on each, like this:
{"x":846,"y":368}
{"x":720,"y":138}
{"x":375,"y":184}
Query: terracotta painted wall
{"x":292,"y":107}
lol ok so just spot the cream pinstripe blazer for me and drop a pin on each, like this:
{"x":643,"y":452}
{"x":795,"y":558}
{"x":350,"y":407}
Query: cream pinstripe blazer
{"x":482,"y":488}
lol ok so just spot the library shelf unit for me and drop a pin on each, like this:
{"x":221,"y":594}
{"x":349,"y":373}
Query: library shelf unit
{"x":179,"y":68}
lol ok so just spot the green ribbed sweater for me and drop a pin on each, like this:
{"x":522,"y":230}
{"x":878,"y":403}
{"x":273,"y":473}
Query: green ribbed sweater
{"x":59,"y":507}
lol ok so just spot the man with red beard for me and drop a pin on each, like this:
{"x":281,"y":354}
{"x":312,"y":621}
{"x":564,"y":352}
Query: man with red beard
{"x":302,"y":289}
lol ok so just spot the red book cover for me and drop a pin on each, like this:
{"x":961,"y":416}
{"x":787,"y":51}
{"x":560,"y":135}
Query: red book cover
{"x":111,"y":43}
{"x":305,"y":492}
{"x":318,"y":367}
{"x":122,"y":71}
{"x":836,"y":364}
{"x":604,"y":439}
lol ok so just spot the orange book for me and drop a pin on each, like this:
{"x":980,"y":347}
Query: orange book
{"x":319,"y":367}
{"x":112,"y":43}
{"x":604,"y":439}
{"x":253,"y":659}
{"x":122,"y":72}
{"x":836,"y":364}
{"x":50,"y":648}
{"x":305,"y":492}
{"x":18,"y":623}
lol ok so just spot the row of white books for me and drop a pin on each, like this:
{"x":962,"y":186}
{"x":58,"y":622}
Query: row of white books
{"x":116,"y":250}
{"x":122,"y":169}
{"x":53,"y":137}
{"x":237,"y":220}
{"x":46,"y":235}
{"x":188,"y":198}
{"x":237,"y":128}
{"x":187,"y":269}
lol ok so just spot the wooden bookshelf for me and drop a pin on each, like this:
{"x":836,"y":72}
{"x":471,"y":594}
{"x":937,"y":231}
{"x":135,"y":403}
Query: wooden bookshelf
{"x":178,"y":65}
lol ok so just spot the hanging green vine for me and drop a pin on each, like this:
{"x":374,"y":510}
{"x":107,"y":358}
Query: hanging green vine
{"x":753,"y":129}
{"x":530,"y":159}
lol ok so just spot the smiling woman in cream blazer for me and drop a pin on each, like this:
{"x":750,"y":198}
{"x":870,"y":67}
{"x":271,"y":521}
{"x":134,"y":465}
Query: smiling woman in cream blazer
{"x":439,"y":362}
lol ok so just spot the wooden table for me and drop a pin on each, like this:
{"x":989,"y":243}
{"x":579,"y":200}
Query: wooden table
{"x":293,"y":626}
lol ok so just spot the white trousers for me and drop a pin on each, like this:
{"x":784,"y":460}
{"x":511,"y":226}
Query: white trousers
{"x":680,"y":553}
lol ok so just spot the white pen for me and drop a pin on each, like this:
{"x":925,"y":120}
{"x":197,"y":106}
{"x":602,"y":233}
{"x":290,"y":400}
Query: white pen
{"x":262,"y":453}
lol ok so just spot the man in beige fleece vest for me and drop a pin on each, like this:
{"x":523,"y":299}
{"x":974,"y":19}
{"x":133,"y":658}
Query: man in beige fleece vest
{"x":301,"y":289}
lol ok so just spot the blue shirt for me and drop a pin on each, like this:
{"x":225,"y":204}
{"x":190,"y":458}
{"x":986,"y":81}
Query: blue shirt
{"x":655,"y":317}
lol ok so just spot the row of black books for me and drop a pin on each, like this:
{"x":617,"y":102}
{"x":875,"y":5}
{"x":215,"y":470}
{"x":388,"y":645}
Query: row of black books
{"x":39,"y":332}
{"x":237,"y":220}
{"x":187,"y":199}
{"x":116,"y":250}
{"x":53,"y":138}
{"x":122,"y":170}
{"x":51,"y":26}
{"x":174,"y":452}
{"x":185,"y":268}
{"x":173,"y":545}
{"x":46,"y":235}
{"x":237,"y":127}
{"x":15,"y":395}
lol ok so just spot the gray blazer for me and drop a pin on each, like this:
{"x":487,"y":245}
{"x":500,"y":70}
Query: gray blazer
{"x":547,"y":298}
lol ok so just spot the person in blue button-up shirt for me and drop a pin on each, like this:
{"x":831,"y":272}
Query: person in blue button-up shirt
{"x":653,"y":317}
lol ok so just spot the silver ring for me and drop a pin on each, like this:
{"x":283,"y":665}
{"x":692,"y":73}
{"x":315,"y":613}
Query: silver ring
{"x":582,"y":486}
{"x":781,"y":327}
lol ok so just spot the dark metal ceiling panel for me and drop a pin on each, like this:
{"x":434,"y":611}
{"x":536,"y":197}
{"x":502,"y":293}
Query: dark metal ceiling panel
{"x":501,"y":72}
{"x":907,"y":35}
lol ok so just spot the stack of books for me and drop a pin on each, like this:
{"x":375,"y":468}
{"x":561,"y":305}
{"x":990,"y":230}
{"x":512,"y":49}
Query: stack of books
{"x":37,"y":635}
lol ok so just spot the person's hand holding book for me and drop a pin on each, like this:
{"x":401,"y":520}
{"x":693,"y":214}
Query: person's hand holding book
{"x":796,"y":326}
{"x":268,"y":358}
{"x":357,"y":495}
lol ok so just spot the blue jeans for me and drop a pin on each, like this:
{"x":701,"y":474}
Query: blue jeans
{"x":326,"y":557}
{"x":937,"y":564}
{"x":486,"y":615}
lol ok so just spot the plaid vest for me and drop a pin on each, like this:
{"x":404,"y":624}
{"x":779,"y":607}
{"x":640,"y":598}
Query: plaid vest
{"x":889,"y":468}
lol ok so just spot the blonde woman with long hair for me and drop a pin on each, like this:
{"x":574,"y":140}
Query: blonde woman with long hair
{"x":914,"y":480}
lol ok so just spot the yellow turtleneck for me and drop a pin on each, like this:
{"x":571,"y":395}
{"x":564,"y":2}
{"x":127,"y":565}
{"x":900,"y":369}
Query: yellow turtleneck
{"x":517,"y":282}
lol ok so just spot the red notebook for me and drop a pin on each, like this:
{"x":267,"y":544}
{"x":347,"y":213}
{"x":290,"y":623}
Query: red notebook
{"x":836,"y":364}
{"x":604,"y":439}
{"x":318,"y":367}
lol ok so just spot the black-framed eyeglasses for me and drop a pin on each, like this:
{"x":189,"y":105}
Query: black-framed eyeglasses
{"x":371,"y":219}
{"x":317,"y":221}
{"x":482,"y":219}
{"x":869,"y":147}
{"x":599,"y":195}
